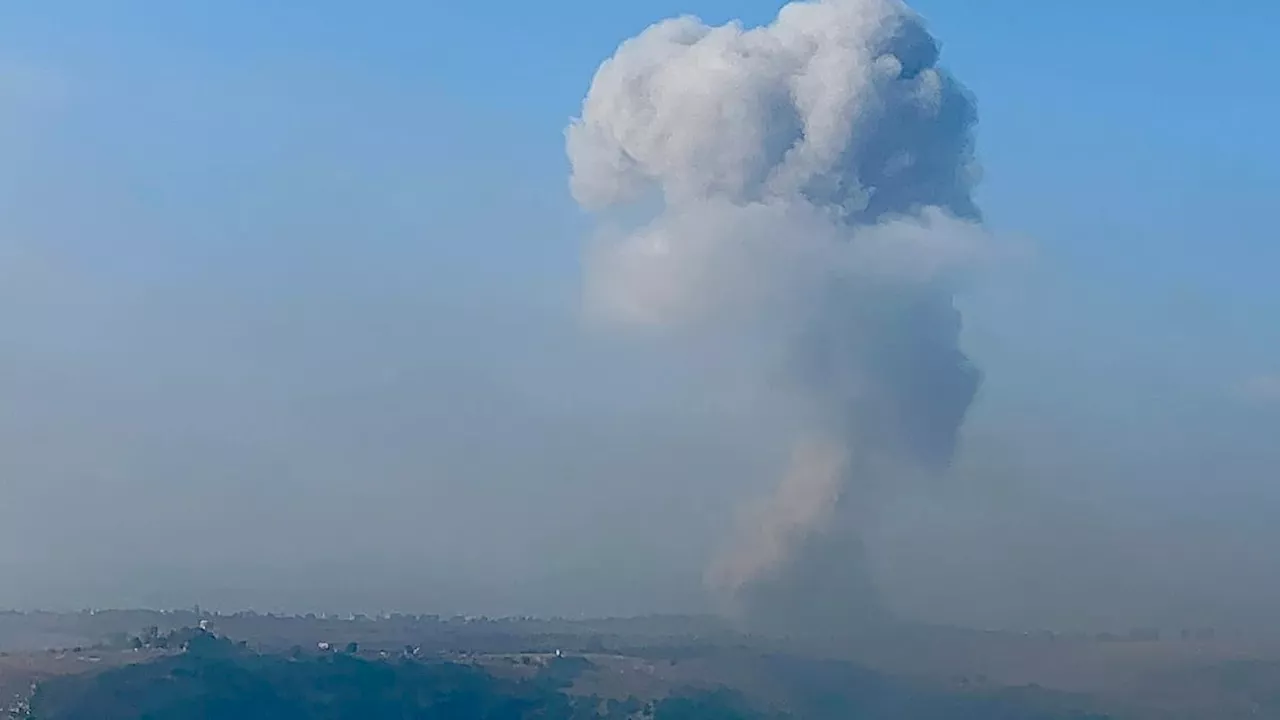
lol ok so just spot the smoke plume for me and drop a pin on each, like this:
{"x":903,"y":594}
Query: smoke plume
{"x":807,"y":184}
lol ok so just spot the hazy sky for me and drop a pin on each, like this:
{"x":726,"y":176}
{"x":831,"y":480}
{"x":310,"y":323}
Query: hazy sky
{"x":289,"y":318}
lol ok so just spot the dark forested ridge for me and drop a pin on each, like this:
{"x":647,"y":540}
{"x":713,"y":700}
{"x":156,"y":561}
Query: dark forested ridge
{"x":215,"y":679}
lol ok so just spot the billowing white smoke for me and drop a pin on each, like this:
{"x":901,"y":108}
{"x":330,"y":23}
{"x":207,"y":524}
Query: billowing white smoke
{"x":808,"y":182}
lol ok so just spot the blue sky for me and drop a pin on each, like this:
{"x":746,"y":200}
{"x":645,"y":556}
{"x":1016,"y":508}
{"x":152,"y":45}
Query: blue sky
{"x":214,"y":203}
{"x":1133,"y":142}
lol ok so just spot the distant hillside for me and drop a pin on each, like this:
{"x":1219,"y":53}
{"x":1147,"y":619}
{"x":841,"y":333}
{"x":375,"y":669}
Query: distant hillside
{"x":216,"y":680}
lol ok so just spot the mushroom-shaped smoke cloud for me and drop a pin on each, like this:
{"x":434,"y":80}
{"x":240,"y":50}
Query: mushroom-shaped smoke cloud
{"x":809,"y":181}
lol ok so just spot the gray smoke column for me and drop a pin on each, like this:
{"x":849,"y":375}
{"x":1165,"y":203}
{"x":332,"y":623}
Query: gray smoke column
{"x":807,"y":185}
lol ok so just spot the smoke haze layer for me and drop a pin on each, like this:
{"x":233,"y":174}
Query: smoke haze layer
{"x":806,"y":194}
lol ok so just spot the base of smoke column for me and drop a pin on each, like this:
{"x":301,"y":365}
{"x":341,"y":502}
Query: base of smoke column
{"x":823,"y":590}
